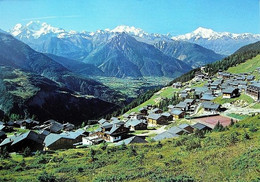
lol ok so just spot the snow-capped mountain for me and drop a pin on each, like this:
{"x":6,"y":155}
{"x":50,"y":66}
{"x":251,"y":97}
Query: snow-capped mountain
{"x":220,"y":42}
{"x":35,"y":29}
{"x":79,"y":45}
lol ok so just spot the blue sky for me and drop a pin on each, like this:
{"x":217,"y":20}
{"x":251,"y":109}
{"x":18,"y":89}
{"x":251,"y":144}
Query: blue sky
{"x":158,"y":16}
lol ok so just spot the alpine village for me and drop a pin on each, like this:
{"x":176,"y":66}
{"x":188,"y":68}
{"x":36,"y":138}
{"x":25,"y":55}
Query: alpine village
{"x":127,"y":105}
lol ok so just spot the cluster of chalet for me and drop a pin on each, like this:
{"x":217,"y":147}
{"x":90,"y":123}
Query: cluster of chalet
{"x":115,"y":130}
{"x":226,"y":85}
{"x":181,"y":130}
{"x":50,"y":135}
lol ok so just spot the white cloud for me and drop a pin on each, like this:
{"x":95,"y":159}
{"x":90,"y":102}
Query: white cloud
{"x":50,"y":17}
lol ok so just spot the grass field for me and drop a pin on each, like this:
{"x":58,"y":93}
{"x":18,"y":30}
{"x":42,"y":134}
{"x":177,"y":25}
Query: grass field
{"x":132,"y":86}
{"x":237,"y":116}
{"x":166,"y":92}
{"x":230,"y":155}
{"x":243,"y":97}
{"x":248,"y":66}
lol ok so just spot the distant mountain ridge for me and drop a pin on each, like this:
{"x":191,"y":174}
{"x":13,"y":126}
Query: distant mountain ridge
{"x":124,"y":56}
{"x":80,"y":45}
{"x":221,"y":42}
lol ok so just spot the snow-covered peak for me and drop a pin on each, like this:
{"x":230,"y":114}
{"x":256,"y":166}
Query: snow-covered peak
{"x":209,"y":34}
{"x":130,"y":30}
{"x":204,"y":32}
{"x":34,"y":29}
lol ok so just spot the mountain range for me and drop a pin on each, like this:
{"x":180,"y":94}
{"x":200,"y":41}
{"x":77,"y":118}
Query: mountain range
{"x":87,"y":47}
{"x":221,"y":42}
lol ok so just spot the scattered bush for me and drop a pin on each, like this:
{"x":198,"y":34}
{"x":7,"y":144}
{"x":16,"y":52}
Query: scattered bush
{"x":233,"y":138}
{"x":248,"y":160}
{"x":252,"y":128}
{"x":4,"y":154}
{"x":27,"y":152}
{"x":45,"y":177}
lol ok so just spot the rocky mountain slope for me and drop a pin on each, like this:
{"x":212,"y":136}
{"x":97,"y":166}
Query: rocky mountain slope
{"x":124,"y":56}
{"x":192,"y":54}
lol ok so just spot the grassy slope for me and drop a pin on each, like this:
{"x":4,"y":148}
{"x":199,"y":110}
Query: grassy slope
{"x":248,"y":66}
{"x":243,"y":97}
{"x":166,"y":92}
{"x":220,"y":156}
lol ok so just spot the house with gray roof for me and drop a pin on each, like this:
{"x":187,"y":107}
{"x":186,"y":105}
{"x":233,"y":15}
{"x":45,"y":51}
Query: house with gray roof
{"x":132,"y":140}
{"x":250,"y":77}
{"x":168,"y":116}
{"x":210,"y":106}
{"x":116,"y":133}
{"x":207,"y":97}
{"x":177,"y":113}
{"x":18,"y":143}
{"x":201,"y":127}
{"x":182,"y":106}
{"x":230,"y":92}
{"x":92,"y":140}
{"x":52,"y":126}
{"x":254,"y":90}
{"x":101,"y":121}
{"x":165,"y":135}
{"x":178,"y":130}
{"x":27,"y":123}
{"x":156,"y":119}
{"x":186,"y":127}
{"x":63,"y":140}
{"x":136,"y":124}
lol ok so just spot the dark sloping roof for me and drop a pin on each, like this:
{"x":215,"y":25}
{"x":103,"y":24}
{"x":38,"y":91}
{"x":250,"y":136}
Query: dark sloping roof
{"x":31,"y":135}
{"x":207,"y":97}
{"x":154,"y":116}
{"x":166,"y":114}
{"x":7,"y":141}
{"x":181,"y":105}
{"x":134,"y":122}
{"x":184,"y":125}
{"x":210,"y":105}
{"x":102,"y":121}
{"x":133,"y":139}
{"x":51,"y":138}
{"x":176,"y":130}
{"x":2,"y":127}
{"x":165,"y":135}
{"x":176,"y":111}
{"x":106,"y":125}
{"x":188,"y":100}
{"x":229,"y":90}
{"x":200,"y":126}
